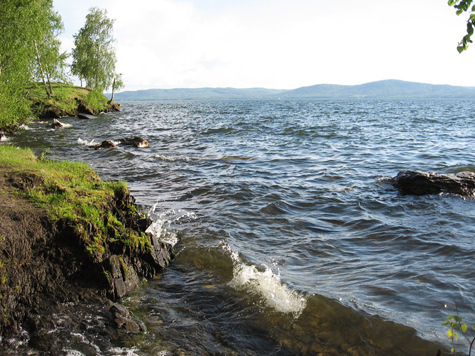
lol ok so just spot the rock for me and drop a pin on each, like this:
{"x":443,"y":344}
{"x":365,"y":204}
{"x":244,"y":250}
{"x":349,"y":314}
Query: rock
{"x":2,"y":135}
{"x":57,"y":124}
{"x":422,"y":183}
{"x":105,"y":144}
{"x":135,"y":141}
{"x":86,"y":116}
{"x":124,"y":319}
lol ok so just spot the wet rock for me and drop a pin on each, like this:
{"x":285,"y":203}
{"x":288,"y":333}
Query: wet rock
{"x":134,"y":141}
{"x":57,"y":124}
{"x":86,"y":116}
{"x":422,"y":183}
{"x":105,"y":144}
{"x":124,"y":319}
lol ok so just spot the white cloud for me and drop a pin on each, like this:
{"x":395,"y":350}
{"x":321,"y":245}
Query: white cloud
{"x":283,"y":44}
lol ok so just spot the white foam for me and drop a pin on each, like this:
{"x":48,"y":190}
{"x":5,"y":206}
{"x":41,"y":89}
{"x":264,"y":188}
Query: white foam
{"x":173,"y":158}
{"x":265,"y":284}
{"x":87,"y":143}
{"x":117,"y":351}
{"x":162,"y":221}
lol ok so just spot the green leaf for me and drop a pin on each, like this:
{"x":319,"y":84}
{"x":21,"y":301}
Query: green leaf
{"x":458,"y":319}
{"x":450,"y":333}
{"x":453,"y":350}
{"x":459,"y":12}
{"x":460,"y":49}
{"x":463,"y":328}
{"x":451,"y":2}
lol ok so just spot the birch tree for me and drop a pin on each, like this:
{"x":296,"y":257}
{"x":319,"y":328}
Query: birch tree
{"x":94,"y":56}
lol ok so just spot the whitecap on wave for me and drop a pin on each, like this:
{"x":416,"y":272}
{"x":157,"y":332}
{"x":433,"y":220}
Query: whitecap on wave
{"x":266,"y":284}
{"x":87,"y":143}
{"x":162,"y":221}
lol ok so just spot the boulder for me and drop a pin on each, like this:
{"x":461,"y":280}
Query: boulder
{"x":134,"y":141}
{"x":105,"y":144}
{"x":422,"y":183}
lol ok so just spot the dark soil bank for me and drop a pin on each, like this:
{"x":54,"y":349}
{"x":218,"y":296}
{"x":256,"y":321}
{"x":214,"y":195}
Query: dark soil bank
{"x":49,"y":282}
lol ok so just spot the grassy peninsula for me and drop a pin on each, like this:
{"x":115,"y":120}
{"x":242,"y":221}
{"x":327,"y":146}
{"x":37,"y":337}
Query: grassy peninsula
{"x":67,"y":100}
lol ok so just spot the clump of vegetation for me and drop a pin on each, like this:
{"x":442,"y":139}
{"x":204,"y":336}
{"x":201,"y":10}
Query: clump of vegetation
{"x":68,"y":100}
{"x":456,"y":325}
{"x":72,"y":192}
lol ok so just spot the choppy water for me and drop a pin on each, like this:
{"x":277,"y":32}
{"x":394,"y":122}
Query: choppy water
{"x":288,"y":235}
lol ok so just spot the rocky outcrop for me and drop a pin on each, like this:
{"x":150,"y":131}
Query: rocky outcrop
{"x":46,"y":266}
{"x":422,"y":183}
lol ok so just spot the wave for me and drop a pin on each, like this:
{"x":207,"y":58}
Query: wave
{"x":162,"y":220}
{"x":266,"y":284}
{"x":87,"y":143}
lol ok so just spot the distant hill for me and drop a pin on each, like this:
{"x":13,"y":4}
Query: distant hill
{"x":196,"y":94}
{"x":380,"y":89}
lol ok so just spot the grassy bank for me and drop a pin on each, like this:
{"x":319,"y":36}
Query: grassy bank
{"x":74,"y":193}
{"x":66,"y":236}
{"x":67,"y":100}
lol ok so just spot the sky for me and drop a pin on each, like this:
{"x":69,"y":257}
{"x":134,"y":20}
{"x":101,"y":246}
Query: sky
{"x":279,"y":44}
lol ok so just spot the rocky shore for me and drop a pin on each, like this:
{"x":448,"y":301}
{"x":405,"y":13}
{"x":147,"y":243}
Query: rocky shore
{"x":64,"y":271}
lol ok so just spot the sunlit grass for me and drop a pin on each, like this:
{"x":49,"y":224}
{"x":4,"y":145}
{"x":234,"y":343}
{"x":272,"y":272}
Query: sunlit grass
{"x":74,"y":193}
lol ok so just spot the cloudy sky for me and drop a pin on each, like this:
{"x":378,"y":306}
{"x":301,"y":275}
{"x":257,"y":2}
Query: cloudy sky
{"x":281,"y":44}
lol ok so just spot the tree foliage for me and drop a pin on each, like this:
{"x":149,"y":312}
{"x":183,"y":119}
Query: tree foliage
{"x":465,"y":6}
{"x":25,"y":27}
{"x":50,"y":61}
{"x":94,"y":56}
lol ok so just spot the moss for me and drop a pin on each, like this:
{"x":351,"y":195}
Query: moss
{"x":74,"y":193}
{"x":67,"y":100}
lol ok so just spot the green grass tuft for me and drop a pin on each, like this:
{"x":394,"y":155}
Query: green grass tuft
{"x":73,"y":192}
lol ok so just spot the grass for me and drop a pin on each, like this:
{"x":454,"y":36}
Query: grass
{"x":65,"y":99}
{"x":74,"y":193}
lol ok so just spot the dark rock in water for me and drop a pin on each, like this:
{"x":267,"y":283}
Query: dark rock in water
{"x":105,"y":144}
{"x":422,"y":183}
{"x":86,"y":116}
{"x":124,"y":319}
{"x":57,"y":124}
{"x":135,"y":141}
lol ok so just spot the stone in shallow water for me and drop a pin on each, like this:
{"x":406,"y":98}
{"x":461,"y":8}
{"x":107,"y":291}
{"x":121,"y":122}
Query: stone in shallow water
{"x":422,"y":183}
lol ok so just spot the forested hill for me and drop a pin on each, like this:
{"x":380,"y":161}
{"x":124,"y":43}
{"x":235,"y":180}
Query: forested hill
{"x":196,"y":94}
{"x":380,"y":89}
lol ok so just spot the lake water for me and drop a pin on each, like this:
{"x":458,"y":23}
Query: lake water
{"x":289,"y":238}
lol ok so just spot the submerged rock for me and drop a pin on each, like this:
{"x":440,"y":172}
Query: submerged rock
{"x":57,"y":124}
{"x":422,"y":183}
{"x":134,"y":141}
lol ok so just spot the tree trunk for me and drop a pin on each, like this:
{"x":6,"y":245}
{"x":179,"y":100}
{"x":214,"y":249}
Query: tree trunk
{"x":49,"y":83}
{"x":41,"y":70}
{"x":112,"y":95}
